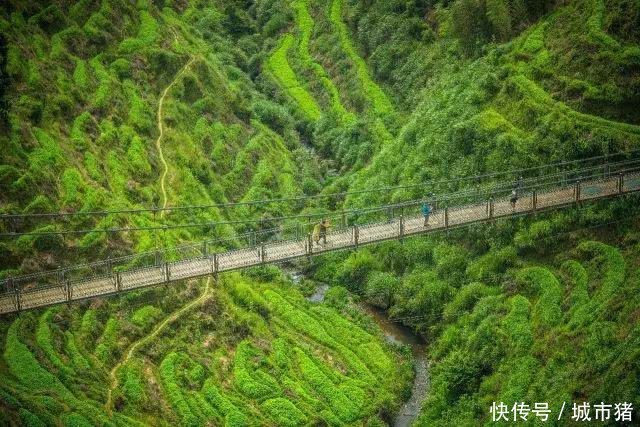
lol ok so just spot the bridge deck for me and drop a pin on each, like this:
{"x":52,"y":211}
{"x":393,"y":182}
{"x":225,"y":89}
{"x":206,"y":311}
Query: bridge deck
{"x":39,"y":296}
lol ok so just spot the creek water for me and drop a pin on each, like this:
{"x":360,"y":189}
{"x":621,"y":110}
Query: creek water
{"x":397,"y":334}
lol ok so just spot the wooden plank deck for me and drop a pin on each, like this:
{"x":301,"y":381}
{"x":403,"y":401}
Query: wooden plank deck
{"x":350,"y":237}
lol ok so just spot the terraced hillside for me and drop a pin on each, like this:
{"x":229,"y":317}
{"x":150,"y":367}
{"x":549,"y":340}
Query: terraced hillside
{"x":111,"y":106}
{"x":537,"y":317}
{"x":518,"y":339}
{"x":244,"y":353}
{"x":542,"y":95}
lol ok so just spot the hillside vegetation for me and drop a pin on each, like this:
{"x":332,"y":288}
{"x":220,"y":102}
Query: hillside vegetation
{"x":114,"y":105}
{"x":248,"y":353}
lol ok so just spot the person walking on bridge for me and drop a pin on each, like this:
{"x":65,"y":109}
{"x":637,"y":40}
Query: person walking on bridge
{"x":514,"y":199}
{"x":320,"y":231}
{"x":426,"y":211}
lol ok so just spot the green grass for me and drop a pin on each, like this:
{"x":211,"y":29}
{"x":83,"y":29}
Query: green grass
{"x":81,"y":112}
{"x":380,"y":103}
{"x":45,"y":340}
{"x":279,"y":66}
{"x":146,"y":316}
{"x":147,"y":34}
{"x":173,"y":390}
{"x":305,"y":25}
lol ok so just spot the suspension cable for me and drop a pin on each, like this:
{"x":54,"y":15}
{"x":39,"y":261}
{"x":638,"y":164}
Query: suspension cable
{"x":357,"y":211}
{"x":155,"y":210}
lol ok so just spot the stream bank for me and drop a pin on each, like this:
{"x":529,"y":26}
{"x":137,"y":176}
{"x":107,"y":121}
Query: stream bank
{"x":394,"y":333}
{"x":398,"y":334}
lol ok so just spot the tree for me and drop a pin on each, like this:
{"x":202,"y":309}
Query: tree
{"x":469,"y":24}
{"x":498,"y":16}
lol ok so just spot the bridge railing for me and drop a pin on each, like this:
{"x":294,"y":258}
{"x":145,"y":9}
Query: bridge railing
{"x":349,"y":229}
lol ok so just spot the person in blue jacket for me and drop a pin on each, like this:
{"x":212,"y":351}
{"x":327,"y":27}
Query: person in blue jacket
{"x":426,"y":211}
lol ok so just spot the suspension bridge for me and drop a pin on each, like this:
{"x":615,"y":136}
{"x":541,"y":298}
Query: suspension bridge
{"x":399,"y":221}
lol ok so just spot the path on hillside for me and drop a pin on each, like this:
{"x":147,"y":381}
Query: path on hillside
{"x":154,"y":332}
{"x":161,"y":134}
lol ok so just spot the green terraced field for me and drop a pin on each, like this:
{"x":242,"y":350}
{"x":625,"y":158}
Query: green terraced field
{"x":116,"y":106}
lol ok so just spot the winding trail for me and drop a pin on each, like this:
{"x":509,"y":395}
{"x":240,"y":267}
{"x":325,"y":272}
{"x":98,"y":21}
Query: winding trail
{"x":137,"y":344}
{"x":165,"y":165}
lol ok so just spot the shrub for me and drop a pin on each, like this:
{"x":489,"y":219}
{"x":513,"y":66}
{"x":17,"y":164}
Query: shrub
{"x":29,"y":419}
{"x":139,"y":115}
{"x":344,"y":408}
{"x":138,"y":158}
{"x":380,"y":289}
{"x":89,"y":325}
{"x":546,"y":312}
{"x":355,"y":269}
{"x":133,"y":386}
{"x":173,"y":389}
{"x":379,"y":101}
{"x":23,"y":365}
{"x":536,"y":233}
{"x":48,"y":156}
{"x":465,"y":299}
{"x":72,"y":185}
{"x":283,"y":412}
{"x":78,"y":130}
{"x":233,"y":416}
{"x":337,"y":297}
{"x":253,"y":382}
{"x":80,"y":75}
{"x":107,"y":343}
{"x":279,"y":66}
{"x":75,"y":420}
{"x":77,"y":358}
{"x":45,"y":340}
{"x":147,"y":34}
{"x":518,"y":326}
{"x":488,"y":267}
{"x":451,"y":262}
{"x":145,"y":316}
{"x":305,"y":24}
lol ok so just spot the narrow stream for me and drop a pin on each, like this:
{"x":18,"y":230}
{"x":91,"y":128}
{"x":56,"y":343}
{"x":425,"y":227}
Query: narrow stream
{"x":397,"y":334}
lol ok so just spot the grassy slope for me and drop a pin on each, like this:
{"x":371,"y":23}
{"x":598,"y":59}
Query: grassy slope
{"x":220,"y":141}
{"x":500,"y":111}
{"x":229,"y":135}
{"x":253,"y":354}
{"x":103,"y":70}
{"x":507,"y":320}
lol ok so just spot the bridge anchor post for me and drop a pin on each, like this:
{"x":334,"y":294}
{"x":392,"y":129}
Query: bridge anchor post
{"x":401,"y":227}
{"x":577,"y":190}
{"x":166,"y":272}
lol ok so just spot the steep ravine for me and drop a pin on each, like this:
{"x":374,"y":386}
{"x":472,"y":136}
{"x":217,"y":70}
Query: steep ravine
{"x":397,"y":334}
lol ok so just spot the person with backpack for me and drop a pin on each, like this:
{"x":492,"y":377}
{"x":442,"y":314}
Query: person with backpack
{"x":320,"y":231}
